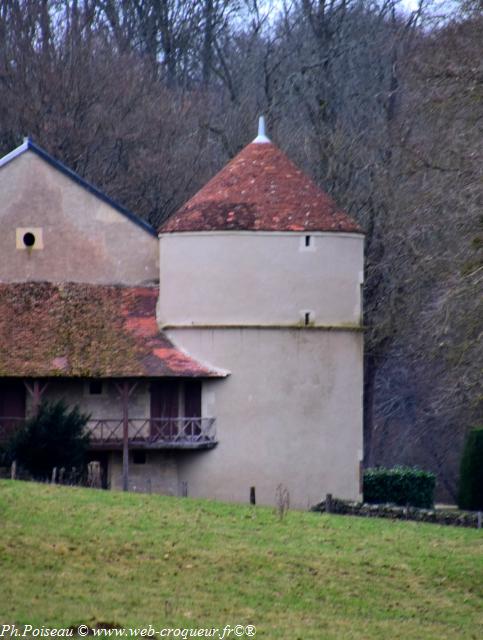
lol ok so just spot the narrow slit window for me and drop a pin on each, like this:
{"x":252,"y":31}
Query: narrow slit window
{"x":308,"y":241}
{"x":95,"y":387}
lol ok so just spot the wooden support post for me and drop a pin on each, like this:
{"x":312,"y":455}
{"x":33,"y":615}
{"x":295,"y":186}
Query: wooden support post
{"x":36,"y":391}
{"x":253,"y":499}
{"x":328,"y":503}
{"x":13,"y":470}
{"x":478,"y":520}
{"x":125,"y":390}
{"x":125,"y":435}
{"x":36,"y":397}
{"x":54,"y":475}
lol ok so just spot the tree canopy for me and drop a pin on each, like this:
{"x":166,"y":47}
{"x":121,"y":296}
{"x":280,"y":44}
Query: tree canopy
{"x":382,"y":106}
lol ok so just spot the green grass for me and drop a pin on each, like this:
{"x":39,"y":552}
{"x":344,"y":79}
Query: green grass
{"x":70,"y":556}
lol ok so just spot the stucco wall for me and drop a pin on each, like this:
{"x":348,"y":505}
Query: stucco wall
{"x":83,"y":238}
{"x":290,"y":413}
{"x":159,"y":474}
{"x":270,"y":278}
{"x":106,"y":405}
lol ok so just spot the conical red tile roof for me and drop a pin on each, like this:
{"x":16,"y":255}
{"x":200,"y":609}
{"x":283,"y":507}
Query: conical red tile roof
{"x":260,"y":190}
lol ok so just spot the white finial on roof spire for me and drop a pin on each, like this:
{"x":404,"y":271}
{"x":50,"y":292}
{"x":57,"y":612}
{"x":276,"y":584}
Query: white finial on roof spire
{"x":262,"y":137}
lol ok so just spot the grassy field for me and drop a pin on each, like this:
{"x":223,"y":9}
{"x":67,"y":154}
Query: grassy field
{"x":72,"y":556}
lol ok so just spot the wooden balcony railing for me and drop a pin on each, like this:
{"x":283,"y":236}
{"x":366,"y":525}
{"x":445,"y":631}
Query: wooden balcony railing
{"x":153,"y":433}
{"x":149,"y":433}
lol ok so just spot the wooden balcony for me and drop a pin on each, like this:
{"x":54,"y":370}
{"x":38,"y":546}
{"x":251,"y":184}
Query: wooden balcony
{"x":153,"y":433}
{"x":149,"y":433}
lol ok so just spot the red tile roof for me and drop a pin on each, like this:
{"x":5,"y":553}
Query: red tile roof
{"x":260,"y":190}
{"x":82,"y":330}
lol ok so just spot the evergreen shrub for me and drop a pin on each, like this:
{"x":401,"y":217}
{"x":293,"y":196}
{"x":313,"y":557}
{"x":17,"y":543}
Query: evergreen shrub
{"x":53,"y":438}
{"x":399,"y":485}
{"x":470,"y":494}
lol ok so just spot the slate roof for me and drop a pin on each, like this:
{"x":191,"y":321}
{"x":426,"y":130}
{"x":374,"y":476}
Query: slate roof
{"x":260,"y":190}
{"x":83,"y":330}
{"x":28,"y":145}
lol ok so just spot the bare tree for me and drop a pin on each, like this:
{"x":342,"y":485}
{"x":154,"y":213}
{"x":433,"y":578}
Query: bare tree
{"x":149,"y":98}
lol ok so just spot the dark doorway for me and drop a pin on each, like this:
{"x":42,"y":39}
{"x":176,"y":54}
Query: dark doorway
{"x":164,"y":409}
{"x":192,"y":399}
{"x":192,"y":406}
{"x":12,"y":407}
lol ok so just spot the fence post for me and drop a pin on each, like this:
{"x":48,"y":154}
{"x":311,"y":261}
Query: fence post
{"x":253,"y":499}
{"x":13,"y":470}
{"x":54,"y":475}
{"x":94,"y":474}
{"x":478,"y":521}
{"x":328,"y":503}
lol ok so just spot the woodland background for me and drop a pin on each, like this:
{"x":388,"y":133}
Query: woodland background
{"x":382,"y":106}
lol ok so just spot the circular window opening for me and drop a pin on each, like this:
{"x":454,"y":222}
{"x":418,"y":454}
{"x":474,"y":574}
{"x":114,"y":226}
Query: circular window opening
{"x":29,"y":239}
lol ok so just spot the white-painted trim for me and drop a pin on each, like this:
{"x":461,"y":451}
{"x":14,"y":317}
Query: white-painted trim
{"x":38,"y":234}
{"x":14,"y":154}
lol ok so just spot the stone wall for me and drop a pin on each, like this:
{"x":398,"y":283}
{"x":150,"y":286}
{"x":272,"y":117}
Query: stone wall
{"x":455,"y":517}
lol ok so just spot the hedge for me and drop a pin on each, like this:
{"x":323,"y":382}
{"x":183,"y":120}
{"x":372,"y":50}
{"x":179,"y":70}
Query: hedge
{"x":470,"y":494}
{"x":399,"y":485}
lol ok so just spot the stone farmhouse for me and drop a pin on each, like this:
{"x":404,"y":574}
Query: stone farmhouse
{"x":218,"y":356}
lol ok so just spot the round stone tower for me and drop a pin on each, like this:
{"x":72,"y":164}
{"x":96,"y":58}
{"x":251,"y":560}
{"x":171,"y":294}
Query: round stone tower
{"x":261,"y":274}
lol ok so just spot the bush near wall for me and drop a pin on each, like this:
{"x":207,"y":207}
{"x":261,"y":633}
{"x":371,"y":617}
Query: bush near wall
{"x":399,"y":485}
{"x":470,"y":495}
{"x":55,"y":437}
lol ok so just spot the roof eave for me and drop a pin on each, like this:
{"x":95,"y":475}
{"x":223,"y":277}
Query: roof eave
{"x":54,"y":375}
{"x":29,"y":145}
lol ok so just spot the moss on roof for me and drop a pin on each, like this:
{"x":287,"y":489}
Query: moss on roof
{"x":83,"y":330}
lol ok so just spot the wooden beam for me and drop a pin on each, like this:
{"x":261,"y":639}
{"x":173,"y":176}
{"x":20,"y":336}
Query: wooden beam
{"x":125,"y":436}
{"x":125,"y":390}
{"x":36,"y":391}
